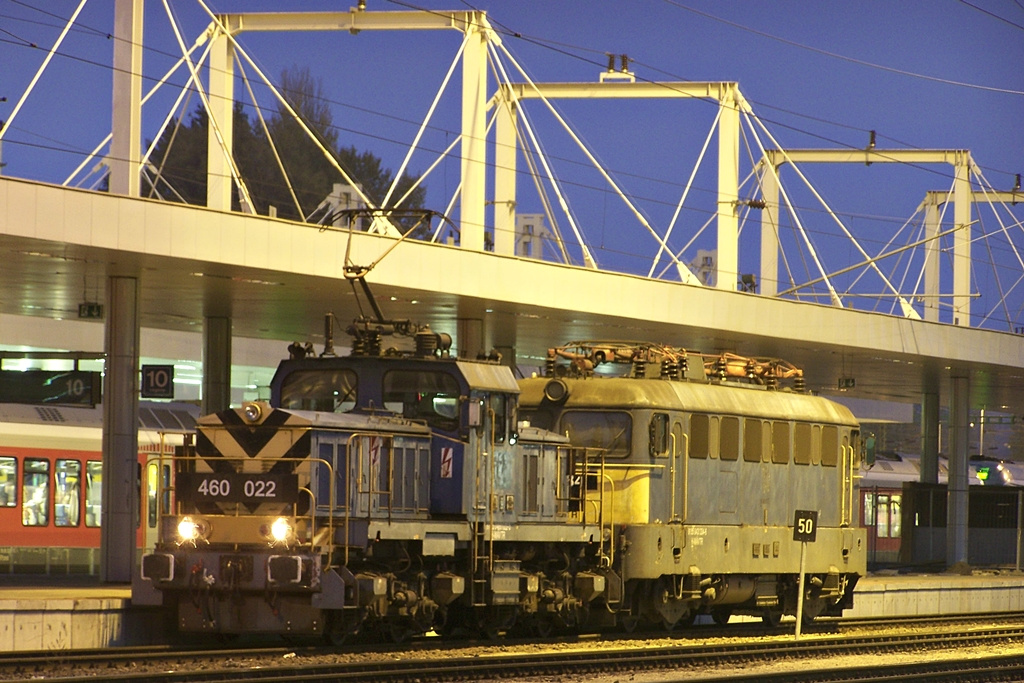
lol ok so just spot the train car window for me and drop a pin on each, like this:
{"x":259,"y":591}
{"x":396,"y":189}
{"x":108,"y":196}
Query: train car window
{"x":332,"y":391}
{"x":152,"y":491}
{"x":93,"y":493}
{"x":610,"y":430}
{"x":67,"y":492}
{"x":658,"y":432}
{"x":729,"y":444}
{"x":700,"y":436}
{"x":8,"y":482}
{"x":896,"y":516}
{"x":802,"y":443}
{"x":35,"y":492}
{"x":165,"y":500}
{"x":753,"y":440}
{"x":428,"y":395}
{"x":780,"y":443}
{"x":869,"y":509}
{"x":882,"y":526}
{"x":829,"y":446}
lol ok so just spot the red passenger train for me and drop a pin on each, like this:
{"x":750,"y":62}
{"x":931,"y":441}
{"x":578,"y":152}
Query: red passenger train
{"x":51,"y":482}
{"x":906,"y":520}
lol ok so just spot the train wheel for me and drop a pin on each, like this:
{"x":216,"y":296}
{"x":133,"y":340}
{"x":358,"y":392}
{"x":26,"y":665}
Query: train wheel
{"x":495,"y":624}
{"x":398,"y":631}
{"x":771,"y":616}
{"x":721,"y":615}
{"x":339,"y":630}
{"x":629,"y":619}
{"x":542,"y":627}
{"x":682,"y":622}
{"x":813,"y":607}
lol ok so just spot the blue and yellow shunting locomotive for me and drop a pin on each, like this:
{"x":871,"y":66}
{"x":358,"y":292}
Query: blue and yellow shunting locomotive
{"x":400,"y":492}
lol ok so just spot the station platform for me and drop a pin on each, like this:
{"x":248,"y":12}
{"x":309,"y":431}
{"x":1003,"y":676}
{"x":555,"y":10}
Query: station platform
{"x":887,"y":595}
{"x":57,"y":614}
{"x":49,"y":614}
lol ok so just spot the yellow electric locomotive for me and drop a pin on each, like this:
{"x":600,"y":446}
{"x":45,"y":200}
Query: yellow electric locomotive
{"x":707,"y":459}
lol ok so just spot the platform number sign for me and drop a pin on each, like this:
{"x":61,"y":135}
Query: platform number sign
{"x":157,"y":381}
{"x":805,"y":526}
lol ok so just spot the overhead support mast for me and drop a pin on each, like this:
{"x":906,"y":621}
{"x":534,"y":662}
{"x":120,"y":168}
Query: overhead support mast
{"x":961,"y":162}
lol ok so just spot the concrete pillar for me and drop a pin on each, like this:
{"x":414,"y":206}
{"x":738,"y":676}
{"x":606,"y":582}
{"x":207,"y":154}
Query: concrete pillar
{"x":126,"y":107}
{"x":216,"y":364}
{"x":957,"y":491}
{"x":500,"y":335}
{"x":930,"y":438}
{"x":120,"y":431}
{"x":471,"y":340}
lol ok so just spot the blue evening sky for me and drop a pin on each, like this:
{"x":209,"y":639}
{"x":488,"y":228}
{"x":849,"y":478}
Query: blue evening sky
{"x":923,"y":74}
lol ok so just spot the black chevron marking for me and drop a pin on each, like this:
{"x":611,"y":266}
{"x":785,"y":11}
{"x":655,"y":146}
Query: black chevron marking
{"x":214,"y":458}
{"x":252,"y":439}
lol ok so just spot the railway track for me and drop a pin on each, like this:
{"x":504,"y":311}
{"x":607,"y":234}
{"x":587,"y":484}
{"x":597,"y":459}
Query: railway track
{"x":738,"y":658}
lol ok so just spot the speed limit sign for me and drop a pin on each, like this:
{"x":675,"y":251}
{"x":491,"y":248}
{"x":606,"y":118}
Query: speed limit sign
{"x":805,"y":526}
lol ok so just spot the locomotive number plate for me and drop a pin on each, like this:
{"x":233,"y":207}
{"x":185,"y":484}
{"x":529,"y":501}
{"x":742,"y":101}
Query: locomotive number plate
{"x":237,"y":487}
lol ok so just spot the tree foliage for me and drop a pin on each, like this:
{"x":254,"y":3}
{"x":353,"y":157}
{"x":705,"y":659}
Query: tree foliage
{"x":180,"y":156}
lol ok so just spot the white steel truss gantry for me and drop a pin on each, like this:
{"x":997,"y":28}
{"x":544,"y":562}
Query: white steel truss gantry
{"x":961,"y":162}
{"x":730,"y":103}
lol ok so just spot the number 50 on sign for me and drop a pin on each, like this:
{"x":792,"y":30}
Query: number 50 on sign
{"x":805,"y":526}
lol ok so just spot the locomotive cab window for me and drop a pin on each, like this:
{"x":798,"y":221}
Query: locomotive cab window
{"x":499,"y":407}
{"x":332,"y":391}
{"x":67,"y":492}
{"x":35,"y":492}
{"x":610,"y":430}
{"x":541,"y":419}
{"x":427,"y":395}
{"x":8,"y":482}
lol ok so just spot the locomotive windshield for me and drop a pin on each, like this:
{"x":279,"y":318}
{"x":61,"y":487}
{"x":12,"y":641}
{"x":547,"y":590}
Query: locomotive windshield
{"x":332,"y":391}
{"x":610,"y":430}
{"x":427,"y":395}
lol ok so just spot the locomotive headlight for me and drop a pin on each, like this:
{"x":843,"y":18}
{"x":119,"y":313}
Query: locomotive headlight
{"x":281,"y":530}
{"x":252,"y":411}
{"x":191,"y":530}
